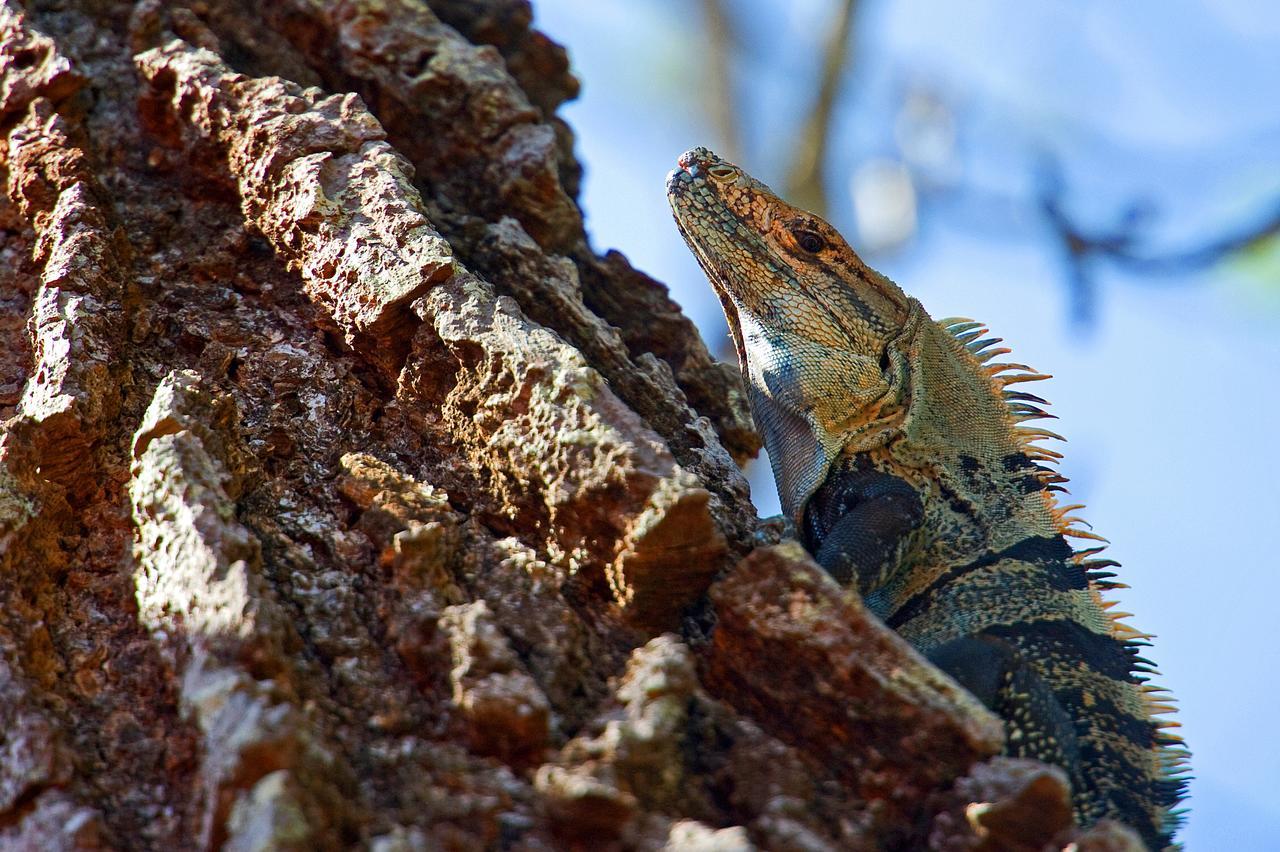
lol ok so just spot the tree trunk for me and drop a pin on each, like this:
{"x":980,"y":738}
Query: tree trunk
{"x":348,"y":499}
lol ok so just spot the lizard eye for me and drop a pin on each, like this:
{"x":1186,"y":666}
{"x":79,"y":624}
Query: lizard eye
{"x":809,"y":241}
{"x":722,"y":172}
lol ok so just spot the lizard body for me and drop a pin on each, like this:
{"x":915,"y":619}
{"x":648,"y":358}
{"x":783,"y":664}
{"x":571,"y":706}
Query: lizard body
{"x":903,"y":458}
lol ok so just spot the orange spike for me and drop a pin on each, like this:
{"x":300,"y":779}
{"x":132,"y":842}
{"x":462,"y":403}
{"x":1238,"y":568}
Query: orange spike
{"x":1126,"y":632}
{"x":1077,"y":533}
{"x":992,"y":353}
{"x":978,"y":345}
{"x":1021,"y":377}
{"x":1038,"y":433}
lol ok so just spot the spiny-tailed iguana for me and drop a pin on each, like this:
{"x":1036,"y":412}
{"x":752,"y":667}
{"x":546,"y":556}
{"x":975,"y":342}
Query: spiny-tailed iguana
{"x":900,"y":458}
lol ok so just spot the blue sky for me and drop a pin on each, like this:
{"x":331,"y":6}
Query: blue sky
{"x":1168,"y":397}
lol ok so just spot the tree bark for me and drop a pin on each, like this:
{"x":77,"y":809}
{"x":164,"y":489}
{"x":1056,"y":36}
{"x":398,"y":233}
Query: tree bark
{"x":348,"y":499}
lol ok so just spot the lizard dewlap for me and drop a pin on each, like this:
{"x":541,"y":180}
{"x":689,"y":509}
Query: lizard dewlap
{"x":903,"y":456}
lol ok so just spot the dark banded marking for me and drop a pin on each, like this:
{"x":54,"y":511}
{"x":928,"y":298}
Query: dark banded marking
{"x":1134,"y":729}
{"x":1026,"y":473}
{"x":1129,"y":792}
{"x":1063,"y":639}
{"x":1037,"y":550}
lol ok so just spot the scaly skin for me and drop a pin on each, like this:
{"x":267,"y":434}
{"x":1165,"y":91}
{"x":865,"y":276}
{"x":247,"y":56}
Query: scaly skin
{"x":900,"y":457}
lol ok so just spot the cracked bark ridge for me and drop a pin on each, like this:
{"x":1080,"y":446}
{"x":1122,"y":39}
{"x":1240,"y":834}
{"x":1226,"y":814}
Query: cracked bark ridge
{"x":537,"y":63}
{"x":783,"y":628}
{"x":1014,"y":805}
{"x":475,"y":138}
{"x":650,"y":321}
{"x":83,"y":691}
{"x":507,"y":715}
{"x":317,"y":178}
{"x":647,"y":759}
{"x":76,"y":313}
{"x":564,"y":458}
{"x":30,"y":65}
{"x":494,"y":155}
{"x":268,"y":779}
{"x":349,"y":499}
{"x":549,"y":290}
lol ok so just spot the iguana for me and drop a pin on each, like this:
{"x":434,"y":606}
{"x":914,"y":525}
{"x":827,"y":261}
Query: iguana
{"x":901,"y":458}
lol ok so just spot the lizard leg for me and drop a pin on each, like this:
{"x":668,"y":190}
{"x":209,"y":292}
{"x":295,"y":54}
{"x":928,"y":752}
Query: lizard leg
{"x":1036,"y":724}
{"x":858,"y":525}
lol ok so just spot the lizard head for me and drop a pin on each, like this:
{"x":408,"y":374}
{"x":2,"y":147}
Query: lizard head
{"x":815,"y":327}
{"x":784,"y":266}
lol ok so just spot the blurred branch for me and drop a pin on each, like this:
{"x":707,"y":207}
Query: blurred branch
{"x":1206,"y":255}
{"x":806,"y":179}
{"x":722,"y":104}
{"x":1121,"y":244}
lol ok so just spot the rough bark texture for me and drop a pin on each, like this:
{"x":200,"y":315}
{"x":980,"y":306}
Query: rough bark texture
{"x":349,"y":500}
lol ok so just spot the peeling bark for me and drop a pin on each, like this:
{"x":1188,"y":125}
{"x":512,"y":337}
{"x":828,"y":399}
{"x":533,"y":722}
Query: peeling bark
{"x":348,"y":499}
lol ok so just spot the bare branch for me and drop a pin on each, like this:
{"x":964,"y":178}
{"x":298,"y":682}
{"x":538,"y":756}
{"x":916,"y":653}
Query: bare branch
{"x":721,"y":103}
{"x":1203,"y":256}
{"x":1121,"y":244}
{"x":806,"y":179}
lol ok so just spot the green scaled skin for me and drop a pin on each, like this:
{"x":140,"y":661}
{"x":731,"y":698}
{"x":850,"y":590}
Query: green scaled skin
{"x":903,"y":457}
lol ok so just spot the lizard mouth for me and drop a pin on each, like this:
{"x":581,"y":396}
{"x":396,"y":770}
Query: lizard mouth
{"x":716,"y":273}
{"x":685,"y":192}
{"x":681,"y":186}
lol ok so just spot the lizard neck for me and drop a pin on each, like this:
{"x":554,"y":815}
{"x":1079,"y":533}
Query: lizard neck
{"x":810,"y":418}
{"x":959,"y":427}
{"x":953,"y":402}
